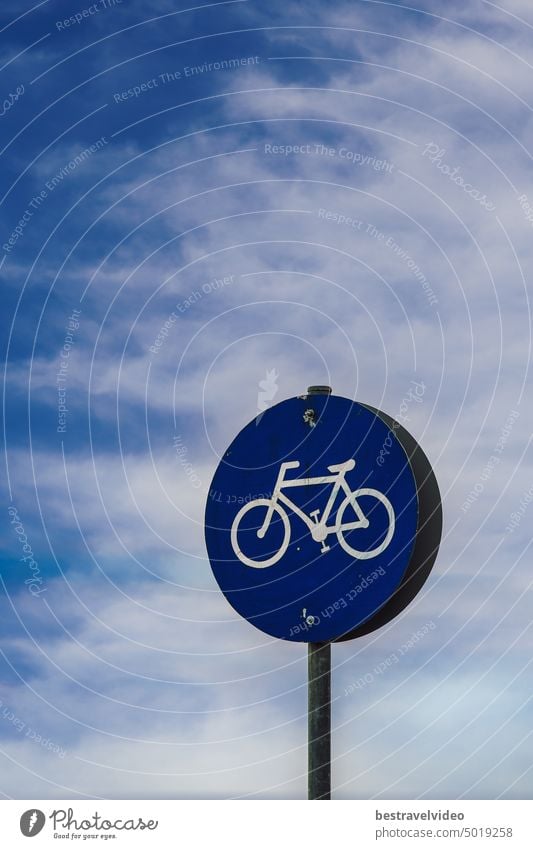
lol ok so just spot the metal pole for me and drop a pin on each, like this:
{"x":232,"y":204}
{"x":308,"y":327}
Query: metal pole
{"x":319,"y":703}
{"x":319,"y":719}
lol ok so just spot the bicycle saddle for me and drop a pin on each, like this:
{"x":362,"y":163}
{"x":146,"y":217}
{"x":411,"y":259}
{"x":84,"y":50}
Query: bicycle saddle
{"x":342,"y":467}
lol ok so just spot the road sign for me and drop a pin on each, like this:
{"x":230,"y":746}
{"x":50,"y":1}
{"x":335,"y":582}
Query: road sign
{"x":312,"y":518}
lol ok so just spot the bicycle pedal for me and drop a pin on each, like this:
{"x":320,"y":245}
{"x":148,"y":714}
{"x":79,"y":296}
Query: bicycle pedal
{"x":325,"y":548}
{"x":314,"y":515}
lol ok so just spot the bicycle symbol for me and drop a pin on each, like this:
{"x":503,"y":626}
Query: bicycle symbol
{"x":317,"y":526}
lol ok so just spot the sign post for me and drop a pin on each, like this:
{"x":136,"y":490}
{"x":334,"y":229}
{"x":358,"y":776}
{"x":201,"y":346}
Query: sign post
{"x":319,"y":703}
{"x":322,"y":523}
{"x":319,"y":721}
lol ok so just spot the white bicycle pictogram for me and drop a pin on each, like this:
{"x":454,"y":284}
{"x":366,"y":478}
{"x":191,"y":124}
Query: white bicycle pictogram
{"x":318,"y":526}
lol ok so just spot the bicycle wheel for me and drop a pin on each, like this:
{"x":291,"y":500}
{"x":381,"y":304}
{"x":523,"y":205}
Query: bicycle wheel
{"x":352,"y":500}
{"x":253,"y":505}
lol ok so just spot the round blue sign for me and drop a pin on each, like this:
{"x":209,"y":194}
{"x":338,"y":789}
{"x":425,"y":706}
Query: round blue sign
{"x":311,"y":518}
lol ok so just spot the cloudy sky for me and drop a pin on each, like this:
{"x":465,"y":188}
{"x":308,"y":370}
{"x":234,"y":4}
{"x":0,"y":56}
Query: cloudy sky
{"x":197,"y":199}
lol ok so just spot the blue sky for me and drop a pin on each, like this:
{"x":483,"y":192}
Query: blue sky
{"x":338,"y":193}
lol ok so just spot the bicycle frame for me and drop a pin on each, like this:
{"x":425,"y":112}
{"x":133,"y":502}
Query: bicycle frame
{"x":338,"y":481}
